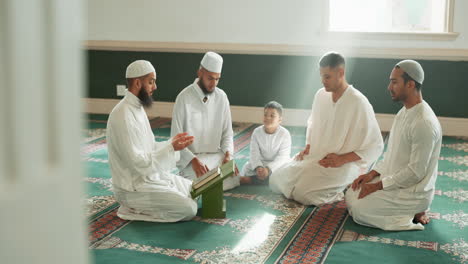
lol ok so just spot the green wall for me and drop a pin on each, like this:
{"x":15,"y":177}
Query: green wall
{"x":252,"y":80}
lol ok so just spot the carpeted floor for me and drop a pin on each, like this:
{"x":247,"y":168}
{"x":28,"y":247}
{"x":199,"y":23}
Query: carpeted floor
{"x":262,"y":227}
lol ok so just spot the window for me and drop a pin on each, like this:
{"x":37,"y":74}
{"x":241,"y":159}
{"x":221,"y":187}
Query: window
{"x":390,"y":16}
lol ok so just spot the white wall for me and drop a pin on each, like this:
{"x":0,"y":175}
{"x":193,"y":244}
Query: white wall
{"x":293,"y":22}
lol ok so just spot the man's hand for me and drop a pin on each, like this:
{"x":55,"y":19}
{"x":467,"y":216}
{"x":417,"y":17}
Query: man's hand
{"x":369,"y":188}
{"x":181,"y":141}
{"x":363,"y":179}
{"x":198,"y":167}
{"x":227,"y":158}
{"x":302,"y":154}
{"x":332,"y":160}
{"x":262,"y":173}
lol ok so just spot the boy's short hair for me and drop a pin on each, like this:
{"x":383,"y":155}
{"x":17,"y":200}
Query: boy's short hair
{"x":275,"y":105}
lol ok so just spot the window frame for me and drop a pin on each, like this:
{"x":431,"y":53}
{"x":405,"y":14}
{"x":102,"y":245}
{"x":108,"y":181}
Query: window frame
{"x":447,"y":35}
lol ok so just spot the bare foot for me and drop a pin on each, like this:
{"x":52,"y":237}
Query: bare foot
{"x":421,"y":218}
{"x":245,"y":180}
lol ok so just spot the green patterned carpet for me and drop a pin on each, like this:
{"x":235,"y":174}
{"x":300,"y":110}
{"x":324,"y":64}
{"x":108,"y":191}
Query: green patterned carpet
{"x":262,"y":227}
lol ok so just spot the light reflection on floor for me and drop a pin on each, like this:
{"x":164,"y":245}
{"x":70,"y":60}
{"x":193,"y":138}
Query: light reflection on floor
{"x":256,"y":235}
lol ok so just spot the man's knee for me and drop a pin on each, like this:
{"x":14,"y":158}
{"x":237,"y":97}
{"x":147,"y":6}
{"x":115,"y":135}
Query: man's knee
{"x":351,"y":199}
{"x":190,"y":210}
{"x":184,"y":209}
{"x":316,"y":198}
{"x":275,"y":183}
{"x":358,"y":206}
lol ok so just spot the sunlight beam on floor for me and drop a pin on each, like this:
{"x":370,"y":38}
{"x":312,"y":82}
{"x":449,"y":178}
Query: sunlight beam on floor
{"x":257,"y":234}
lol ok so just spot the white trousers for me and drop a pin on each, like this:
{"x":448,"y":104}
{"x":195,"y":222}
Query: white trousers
{"x":311,"y":184}
{"x":158,"y":203}
{"x":388,"y":210}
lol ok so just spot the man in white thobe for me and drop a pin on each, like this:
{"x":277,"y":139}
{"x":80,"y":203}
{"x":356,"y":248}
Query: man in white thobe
{"x":139,"y":165}
{"x":202,"y":109}
{"x":397,"y":192}
{"x":342,"y":139}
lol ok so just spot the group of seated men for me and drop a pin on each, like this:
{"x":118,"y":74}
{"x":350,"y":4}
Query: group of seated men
{"x":343,"y":142}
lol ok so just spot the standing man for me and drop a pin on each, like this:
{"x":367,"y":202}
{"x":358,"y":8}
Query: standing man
{"x":202,"y":109}
{"x":140,"y":166}
{"x":396,"y":194}
{"x":343,"y":138}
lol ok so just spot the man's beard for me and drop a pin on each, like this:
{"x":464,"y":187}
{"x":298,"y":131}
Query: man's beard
{"x":399,"y":98}
{"x":145,"y":99}
{"x":202,"y":86}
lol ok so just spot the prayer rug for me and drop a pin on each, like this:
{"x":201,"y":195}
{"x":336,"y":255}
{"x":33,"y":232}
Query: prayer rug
{"x":263,"y":227}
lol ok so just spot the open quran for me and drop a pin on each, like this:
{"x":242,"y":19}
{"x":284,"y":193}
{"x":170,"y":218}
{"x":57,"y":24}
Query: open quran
{"x":207,"y":177}
{"x":211,"y":191}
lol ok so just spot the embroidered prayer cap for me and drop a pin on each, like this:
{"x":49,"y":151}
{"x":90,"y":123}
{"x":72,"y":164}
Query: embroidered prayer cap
{"x":212,"y":62}
{"x":139,"y":68}
{"x":413,"y":69}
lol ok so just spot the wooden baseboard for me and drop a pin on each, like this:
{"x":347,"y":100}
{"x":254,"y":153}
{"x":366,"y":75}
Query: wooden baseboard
{"x":291,"y":117}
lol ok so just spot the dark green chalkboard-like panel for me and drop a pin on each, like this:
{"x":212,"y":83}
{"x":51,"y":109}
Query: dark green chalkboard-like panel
{"x":252,"y":80}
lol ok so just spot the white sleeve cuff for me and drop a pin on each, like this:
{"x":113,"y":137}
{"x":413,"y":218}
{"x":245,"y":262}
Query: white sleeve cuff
{"x":388,"y":183}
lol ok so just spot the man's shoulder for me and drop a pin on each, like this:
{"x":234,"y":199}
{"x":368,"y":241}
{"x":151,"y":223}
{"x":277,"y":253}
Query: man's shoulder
{"x":400,"y":112}
{"x":426,"y":129}
{"x":427,"y":111}
{"x":426,"y":120}
{"x":320,"y":92}
{"x":119,"y":115}
{"x":220,"y":92}
{"x":356,"y":94}
{"x":357,"y":99}
{"x":118,"y":110}
{"x":220,"y":97}
{"x":186,"y":92}
{"x":320,"y":96}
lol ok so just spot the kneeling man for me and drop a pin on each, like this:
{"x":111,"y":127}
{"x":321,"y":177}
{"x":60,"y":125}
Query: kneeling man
{"x":343,"y":138}
{"x":397,"y":193}
{"x":202,"y":109}
{"x":140,"y":166}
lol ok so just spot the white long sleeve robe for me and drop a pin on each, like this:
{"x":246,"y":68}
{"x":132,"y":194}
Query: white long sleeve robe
{"x":408,"y":173}
{"x":140,"y":168}
{"x":349,"y":125}
{"x":268,"y":150}
{"x":210,"y":123}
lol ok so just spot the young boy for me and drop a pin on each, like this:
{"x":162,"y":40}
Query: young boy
{"x":270,"y":147}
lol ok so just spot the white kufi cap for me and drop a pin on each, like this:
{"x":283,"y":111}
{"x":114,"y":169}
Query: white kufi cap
{"x":139,"y":68}
{"x":212,"y":62}
{"x":413,"y":69}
